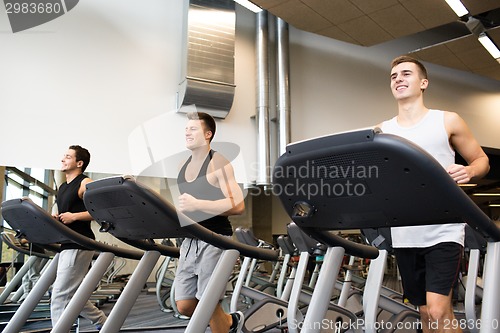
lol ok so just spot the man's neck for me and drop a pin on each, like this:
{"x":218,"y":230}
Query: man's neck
{"x":70,"y":175}
{"x":411,"y":112}
{"x":200,"y":153}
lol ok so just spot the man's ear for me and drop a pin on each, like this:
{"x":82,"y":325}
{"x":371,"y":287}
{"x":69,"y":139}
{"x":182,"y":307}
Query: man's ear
{"x":424,"y":84}
{"x":79,"y":164}
{"x":208,"y":135}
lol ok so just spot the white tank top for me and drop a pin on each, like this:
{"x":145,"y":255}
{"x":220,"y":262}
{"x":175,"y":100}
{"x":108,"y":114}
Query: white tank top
{"x":430,"y":134}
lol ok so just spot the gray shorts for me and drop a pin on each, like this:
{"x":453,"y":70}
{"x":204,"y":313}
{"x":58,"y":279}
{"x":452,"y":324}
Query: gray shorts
{"x":196,"y":265}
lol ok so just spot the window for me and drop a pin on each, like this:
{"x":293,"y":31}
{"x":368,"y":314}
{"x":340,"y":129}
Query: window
{"x":32,"y":183}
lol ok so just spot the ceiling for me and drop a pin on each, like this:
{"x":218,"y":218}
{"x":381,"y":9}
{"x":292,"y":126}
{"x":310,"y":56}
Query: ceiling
{"x":432,"y":31}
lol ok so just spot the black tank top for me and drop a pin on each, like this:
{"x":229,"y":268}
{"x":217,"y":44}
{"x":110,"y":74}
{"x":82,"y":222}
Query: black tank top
{"x":200,"y":188}
{"x":69,"y":201}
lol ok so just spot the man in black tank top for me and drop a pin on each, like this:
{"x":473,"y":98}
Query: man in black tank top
{"x":74,"y":260}
{"x":209,"y":194}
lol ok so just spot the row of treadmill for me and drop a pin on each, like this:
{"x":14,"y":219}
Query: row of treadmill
{"x":408,"y":187}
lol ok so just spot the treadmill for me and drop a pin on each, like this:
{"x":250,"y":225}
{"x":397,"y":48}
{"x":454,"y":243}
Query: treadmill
{"x":35,"y":224}
{"x":135,"y":213}
{"x":368,"y":179}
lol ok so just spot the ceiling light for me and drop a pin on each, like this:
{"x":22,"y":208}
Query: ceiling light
{"x":458,"y":7}
{"x":248,"y":5}
{"x":494,"y":205}
{"x":489,"y":46}
{"x":467,"y":185}
{"x":486,"y":194}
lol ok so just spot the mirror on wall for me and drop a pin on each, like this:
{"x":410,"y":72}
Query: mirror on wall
{"x":40,"y":185}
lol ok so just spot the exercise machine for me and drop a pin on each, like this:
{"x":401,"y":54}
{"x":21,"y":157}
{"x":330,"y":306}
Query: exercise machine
{"x":368,"y":179}
{"x":133,"y":212}
{"x":35,"y":224}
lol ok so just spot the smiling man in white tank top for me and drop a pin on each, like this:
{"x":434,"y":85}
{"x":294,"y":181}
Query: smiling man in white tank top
{"x":429,"y":256}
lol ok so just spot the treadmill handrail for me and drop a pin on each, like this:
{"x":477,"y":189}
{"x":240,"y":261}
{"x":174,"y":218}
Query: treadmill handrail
{"x":64,"y":230}
{"x":223,"y":242}
{"x":144,"y":244}
{"x":168,"y":211}
{"x":8,"y":238}
{"x":350,"y":247}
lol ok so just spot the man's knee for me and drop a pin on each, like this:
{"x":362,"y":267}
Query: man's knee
{"x":438,"y":313}
{"x":186,"y":307}
{"x":439,"y":306}
{"x":424,"y":313}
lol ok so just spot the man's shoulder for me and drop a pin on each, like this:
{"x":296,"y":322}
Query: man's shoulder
{"x":448,"y":113}
{"x":219,"y":160}
{"x":451,"y":117}
{"x":219,"y":164}
{"x":385,"y":122}
{"x":444,"y":112}
{"x":84,"y":179}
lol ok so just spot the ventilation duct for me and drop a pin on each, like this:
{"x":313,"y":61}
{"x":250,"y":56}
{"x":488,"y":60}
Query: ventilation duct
{"x":283,"y":85}
{"x":207,"y":82}
{"x":262,"y":103}
{"x":281,"y":91}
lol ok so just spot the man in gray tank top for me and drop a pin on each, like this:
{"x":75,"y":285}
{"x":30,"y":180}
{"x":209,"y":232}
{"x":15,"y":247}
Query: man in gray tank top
{"x":209,"y":194}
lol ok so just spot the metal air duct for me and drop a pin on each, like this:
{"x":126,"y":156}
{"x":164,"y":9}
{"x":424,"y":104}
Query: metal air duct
{"x":207,"y":83}
{"x":283,"y":84}
{"x":262,"y":104}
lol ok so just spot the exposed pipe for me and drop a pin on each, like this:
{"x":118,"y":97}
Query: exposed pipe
{"x":262,"y":105}
{"x":283,"y":86}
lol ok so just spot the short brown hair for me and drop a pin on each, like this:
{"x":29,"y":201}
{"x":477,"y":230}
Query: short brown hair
{"x":207,"y":119}
{"x":81,"y":154}
{"x":406,"y":58}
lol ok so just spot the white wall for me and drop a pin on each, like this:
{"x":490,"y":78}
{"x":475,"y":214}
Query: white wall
{"x":338,"y":86}
{"x":105,"y":76}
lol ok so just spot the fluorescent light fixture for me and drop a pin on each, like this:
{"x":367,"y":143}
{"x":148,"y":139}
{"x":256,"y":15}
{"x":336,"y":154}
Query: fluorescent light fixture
{"x":248,"y":5}
{"x":486,"y":194}
{"x":467,"y":185}
{"x":494,"y":205}
{"x":489,"y":45}
{"x":458,"y":7}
